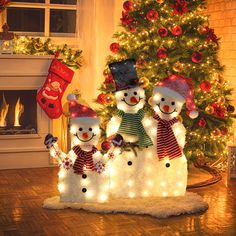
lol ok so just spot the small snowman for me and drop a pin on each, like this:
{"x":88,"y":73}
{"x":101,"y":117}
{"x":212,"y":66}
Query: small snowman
{"x":86,"y":179}
{"x":128,"y":126}
{"x":168,"y":99}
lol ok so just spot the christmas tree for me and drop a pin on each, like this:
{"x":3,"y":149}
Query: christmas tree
{"x":173,"y":38}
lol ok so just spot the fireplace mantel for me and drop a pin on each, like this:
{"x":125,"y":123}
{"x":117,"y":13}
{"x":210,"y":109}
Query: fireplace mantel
{"x":25,"y":72}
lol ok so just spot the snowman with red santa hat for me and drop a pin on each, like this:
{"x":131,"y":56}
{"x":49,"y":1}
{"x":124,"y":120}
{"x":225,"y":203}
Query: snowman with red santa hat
{"x":168,"y":98}
{"x":83,"y":176}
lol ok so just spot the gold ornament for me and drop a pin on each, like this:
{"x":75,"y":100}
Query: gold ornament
{"x":106,"y":72}
{"x":160,"y":1}
{"x":178,"y":66}
{"x":150,"y":101}
{"x":110,"y":99}
{"x":180,"y":118}
{"x":209,"y":109}
{"x":143,"y":82}
{"x":221,"y":100}
{"x":38,"y":45}
{"x":215,"y":132}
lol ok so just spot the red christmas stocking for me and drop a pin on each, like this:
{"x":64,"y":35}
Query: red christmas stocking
{"x":49,"y":96}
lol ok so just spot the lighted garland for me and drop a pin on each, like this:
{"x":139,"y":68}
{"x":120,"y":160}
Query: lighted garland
{"x":38,"y":46}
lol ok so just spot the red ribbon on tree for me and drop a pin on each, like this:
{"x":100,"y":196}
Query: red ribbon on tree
{"x":167,"y":145}
{"x":84,"y":159}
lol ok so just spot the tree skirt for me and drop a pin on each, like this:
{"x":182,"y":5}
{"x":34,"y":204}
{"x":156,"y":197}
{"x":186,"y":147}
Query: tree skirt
{"x":153,"y":206}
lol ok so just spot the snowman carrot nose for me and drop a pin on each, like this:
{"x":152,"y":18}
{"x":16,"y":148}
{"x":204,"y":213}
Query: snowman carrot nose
{"x":85,"y":135}
{"x":166,"y":108}
{"x":133,"y":99}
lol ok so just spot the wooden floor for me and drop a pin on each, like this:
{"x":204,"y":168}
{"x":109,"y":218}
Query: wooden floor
{"x":22,"y":193}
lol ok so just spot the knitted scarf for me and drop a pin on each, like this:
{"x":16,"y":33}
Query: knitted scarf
{"x":167,"y":145}
{"x":84,"y":159}
{"x":131,"y":124}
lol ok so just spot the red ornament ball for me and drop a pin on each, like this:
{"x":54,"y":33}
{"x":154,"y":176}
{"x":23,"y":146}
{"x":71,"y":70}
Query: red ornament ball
{"x":202,"y":122}
{"x":205,"y":86}
{"x":152,"y":15}
{"x":161,"y":53}
{"x":162,"y":32}
{"x":128,"y":6}
{"x":106,"y":145}
{"x":224,"y":131}
{"x":115,"y":47}
{"x":176,"y":30}
{"x":197,"y":57}
{"x":230,"y":109}
{"x":132,"y":29}
{"x":101,"y":98}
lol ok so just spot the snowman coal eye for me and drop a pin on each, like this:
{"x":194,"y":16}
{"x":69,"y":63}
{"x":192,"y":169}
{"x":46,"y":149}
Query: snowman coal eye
{"x":162,"y":99}
{"x":80,"y":129}
{"x":125,"y":94}
{"x":173,"y":103}
{"x":90,"y":129}
{"x":135,"y":93}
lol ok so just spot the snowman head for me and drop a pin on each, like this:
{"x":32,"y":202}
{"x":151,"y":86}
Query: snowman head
{"x":85,"y":131}
{"x":130,"y":100}
{"x":170,"y":95}
{"x":129,"y":97}
{"x":84,"y":124}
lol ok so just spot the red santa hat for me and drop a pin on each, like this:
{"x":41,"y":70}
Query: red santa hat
{"x":81,"y":113}
{"x":179,"y":88}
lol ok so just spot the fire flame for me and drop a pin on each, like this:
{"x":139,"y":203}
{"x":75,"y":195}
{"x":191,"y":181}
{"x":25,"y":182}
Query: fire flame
{"x":3,"y":111}
{"x":19,"y":109}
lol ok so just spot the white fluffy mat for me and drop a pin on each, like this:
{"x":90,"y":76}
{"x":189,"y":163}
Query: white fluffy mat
{"x":155,"y":206}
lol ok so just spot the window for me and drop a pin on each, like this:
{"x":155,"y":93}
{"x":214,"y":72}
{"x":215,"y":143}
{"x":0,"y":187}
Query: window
{"x":49,"y":18}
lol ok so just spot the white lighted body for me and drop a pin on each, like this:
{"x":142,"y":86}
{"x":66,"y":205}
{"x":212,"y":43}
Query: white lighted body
{"x":89,"y":186}
{"x":172,"y":174}
{"x":130,"y":174}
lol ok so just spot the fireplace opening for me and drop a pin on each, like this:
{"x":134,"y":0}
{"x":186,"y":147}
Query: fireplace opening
{"x":18,"y":112}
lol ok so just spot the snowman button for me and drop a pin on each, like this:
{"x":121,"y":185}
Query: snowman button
{"x":84,"y":176}
{"x":130,"y":163}
{"x":84,"y":190}
{"x":167,"y":165}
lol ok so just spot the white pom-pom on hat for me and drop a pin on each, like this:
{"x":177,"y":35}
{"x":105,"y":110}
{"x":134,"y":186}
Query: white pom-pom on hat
{"x":193,"y":114}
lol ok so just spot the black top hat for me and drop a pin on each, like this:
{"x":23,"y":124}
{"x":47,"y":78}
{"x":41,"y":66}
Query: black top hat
{"x":50,"y":140}
{"x":124,"y":73}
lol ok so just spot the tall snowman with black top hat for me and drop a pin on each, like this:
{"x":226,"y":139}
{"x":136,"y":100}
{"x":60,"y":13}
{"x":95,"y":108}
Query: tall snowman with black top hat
{"x":130,"y":125}
{"x":83,"y":176}
{"x":168,"y":98}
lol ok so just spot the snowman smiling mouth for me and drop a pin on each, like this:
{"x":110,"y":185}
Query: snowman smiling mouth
{"x":166,"y":108}
{"x":134,"y":101}
{"x":85,"y":140}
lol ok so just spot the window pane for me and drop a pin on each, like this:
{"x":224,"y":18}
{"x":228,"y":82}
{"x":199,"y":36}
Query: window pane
{"x":62,"y":21}
{"x":64,"y":1}
{"x":41,"y":1}
{"x":25,"y":19}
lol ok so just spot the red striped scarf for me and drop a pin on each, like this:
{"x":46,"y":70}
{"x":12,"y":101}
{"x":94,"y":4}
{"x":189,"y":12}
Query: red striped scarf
{"x":84,"y":159}
{"x":167,"y":145}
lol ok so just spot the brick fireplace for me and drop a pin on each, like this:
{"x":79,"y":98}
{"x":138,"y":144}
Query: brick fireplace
{"x":23,"y":124}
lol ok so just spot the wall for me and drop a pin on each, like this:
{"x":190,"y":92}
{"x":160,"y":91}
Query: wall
{"x":223,"y":20}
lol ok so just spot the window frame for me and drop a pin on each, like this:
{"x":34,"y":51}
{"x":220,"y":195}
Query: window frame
{"x":47,"y":6}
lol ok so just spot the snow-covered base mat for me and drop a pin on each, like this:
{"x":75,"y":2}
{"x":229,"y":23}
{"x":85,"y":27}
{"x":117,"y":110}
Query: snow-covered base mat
{"x":154,"y":206}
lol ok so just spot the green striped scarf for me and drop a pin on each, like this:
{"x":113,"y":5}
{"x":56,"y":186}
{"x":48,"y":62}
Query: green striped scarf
{"x":131,"y":124}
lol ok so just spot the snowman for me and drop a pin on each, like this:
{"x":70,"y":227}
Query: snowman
{"x":128,"y":126}
{"x":168,"y":99}
{"x":83,"y":176}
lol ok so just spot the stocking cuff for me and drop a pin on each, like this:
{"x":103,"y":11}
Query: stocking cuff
{"x":61,"y":70}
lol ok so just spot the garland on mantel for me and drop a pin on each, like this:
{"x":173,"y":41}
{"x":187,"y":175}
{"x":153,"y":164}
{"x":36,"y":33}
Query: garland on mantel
{"x":38,"y":46}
